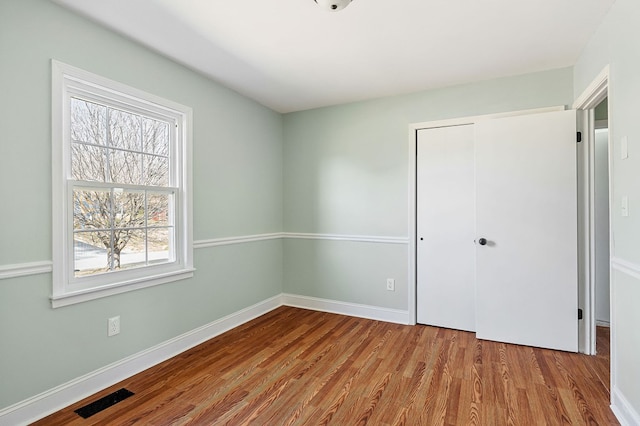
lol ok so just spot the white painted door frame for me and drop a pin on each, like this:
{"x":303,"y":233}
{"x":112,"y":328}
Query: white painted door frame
{"x":595,"y":93}
{"x":413,"y":146}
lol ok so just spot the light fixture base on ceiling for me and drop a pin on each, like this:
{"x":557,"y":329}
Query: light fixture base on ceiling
{"x":333,"y":5}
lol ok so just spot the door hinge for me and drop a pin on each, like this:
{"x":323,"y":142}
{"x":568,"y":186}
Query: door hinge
{"x":579,"y":137}
{"x":579,"y":314}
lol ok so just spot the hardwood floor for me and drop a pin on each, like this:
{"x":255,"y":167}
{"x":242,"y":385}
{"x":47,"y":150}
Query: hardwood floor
{"x":298,"y":367}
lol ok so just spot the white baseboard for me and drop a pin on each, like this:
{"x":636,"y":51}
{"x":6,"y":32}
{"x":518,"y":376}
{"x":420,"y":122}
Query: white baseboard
{"x":48,"y":402}
{"x":349,"y":309}
{"x":603,"y":323}
{"x":623,"y":410}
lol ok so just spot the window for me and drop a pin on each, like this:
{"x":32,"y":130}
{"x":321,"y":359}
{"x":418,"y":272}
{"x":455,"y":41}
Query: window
{"x":121,"y":176}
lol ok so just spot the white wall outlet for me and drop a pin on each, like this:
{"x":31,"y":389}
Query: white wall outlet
{"x":391,"y":284}
{"x":113,"y":326}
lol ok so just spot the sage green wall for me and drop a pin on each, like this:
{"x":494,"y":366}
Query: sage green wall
{"x":617,"y":43}
{"x":237,"y":190}
{"x":346,"y":172}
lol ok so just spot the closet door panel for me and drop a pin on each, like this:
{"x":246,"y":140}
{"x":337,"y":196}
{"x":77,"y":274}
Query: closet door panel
{"x":446,"y":227}
{"x":526,"y":212}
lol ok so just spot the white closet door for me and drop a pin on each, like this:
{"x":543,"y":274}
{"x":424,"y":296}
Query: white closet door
{"x":445,"y":228}
{"x":526,"y":205}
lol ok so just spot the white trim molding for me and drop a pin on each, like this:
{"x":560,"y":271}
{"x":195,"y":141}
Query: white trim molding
{"x":345,"y":308}
{"x":215,"y":242}
{"x":352,"y":238}
{"x":460,"y":121}
{"x":122,"y":287}
{"x":25,"y":269}
{"x":50,"y":401}
{"x":623,"y":409}
{"x":629,"y":268}
{"x":585,"y":105}
{"x":595,"y":92}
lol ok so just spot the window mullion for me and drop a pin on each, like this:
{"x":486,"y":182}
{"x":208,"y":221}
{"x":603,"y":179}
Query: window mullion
{"x":117,"y":149}
{"x":93,"y":184}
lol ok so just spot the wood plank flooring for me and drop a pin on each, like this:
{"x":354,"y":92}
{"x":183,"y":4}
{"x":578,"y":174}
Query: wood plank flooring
{"x":299,"y":367}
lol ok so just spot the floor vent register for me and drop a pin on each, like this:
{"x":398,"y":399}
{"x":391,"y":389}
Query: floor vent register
{"x":103,"y":403}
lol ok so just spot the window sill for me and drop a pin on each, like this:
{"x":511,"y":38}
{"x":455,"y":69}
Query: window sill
{"x":71,"y":298}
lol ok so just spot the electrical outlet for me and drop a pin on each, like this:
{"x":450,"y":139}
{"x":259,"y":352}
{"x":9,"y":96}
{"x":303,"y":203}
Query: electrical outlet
{"x":113,"y":326}
{"x":391,"y":284}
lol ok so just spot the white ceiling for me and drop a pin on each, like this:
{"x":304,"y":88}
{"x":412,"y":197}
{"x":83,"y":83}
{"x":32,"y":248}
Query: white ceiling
{"x":291,"y":55}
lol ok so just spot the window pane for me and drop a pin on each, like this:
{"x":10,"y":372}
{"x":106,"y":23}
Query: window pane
{"x":88,"y":122}
{"x":91,"y":252}
{"x":160,"y":245}
{"x":155,"y":138}
{"x":128,"y":209}
{"x":156,"y":171}
{"x":130,"y":247}
{"x":125,"y":130}
{"x":88,"y":162}
{"x":91,"y":209}
{"x":158,"y":210}
{"x":125,"y":167}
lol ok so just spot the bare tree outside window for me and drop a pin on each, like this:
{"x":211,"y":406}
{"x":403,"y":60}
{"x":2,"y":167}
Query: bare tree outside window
{"x":122,"y":202}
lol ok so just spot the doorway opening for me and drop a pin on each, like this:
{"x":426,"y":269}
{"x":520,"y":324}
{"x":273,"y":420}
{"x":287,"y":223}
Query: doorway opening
{"x":594,"y":164}
{"x":601,"y":214}
{"x":602,"y":248}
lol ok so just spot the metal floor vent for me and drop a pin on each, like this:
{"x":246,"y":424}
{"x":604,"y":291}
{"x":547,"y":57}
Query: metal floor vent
{"x":103,"y":403}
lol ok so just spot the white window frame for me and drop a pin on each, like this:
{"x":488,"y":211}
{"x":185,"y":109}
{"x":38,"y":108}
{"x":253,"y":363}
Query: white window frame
{"x":67,"y":289}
